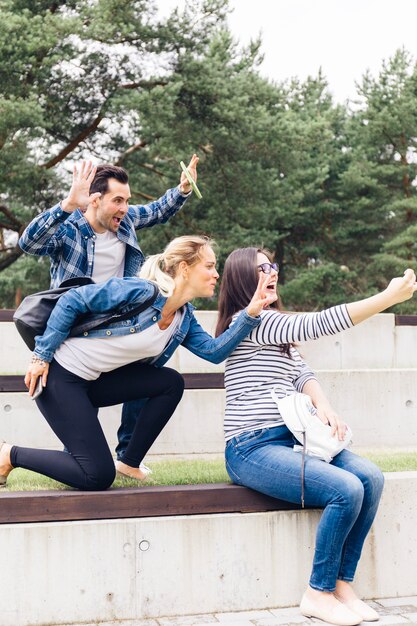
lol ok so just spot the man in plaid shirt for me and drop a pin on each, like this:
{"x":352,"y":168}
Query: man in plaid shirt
{"x":80,"y":242}
{"x":93,"y":233}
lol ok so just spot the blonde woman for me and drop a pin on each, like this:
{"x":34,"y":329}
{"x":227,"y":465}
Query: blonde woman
{"x":123,"y":362}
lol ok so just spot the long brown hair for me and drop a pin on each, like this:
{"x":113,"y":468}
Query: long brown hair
{"x":239,"y":282}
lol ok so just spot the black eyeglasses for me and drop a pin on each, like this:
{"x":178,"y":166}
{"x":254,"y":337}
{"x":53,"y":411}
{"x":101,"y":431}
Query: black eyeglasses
{"x":267,"y":268}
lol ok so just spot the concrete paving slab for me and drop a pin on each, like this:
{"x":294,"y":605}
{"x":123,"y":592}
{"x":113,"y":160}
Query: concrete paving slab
{"x":399,"y":602}
{"x":392,"y":620}
{"x":289,"y":620}
{"x":396,"y":610}
{"x":242,"y":615}
{"x":288,"y":611}
{"x":187,"y":620}
{"x":274,"y":617}
{"x":236,"y":622}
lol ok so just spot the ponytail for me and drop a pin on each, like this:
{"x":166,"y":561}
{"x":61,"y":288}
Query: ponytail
{"x":152,"y":270}
{"x":162,"y":268}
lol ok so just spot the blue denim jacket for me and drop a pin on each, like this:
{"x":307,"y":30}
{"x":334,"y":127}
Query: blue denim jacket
{"x":120,"y":294}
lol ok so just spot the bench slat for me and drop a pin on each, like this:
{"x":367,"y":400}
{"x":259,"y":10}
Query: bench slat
{"x":59,"y":506}
{"x":208,"y":380}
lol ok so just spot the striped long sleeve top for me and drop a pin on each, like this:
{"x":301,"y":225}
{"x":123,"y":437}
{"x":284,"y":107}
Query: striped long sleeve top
{"x":258,"y":365}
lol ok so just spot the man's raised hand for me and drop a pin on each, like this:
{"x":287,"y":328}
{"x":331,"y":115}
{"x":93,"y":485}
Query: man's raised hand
{"x":79,"y":196}
{"x":192,"y":168}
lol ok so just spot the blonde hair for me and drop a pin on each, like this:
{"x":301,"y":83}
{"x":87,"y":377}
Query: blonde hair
{"x":162,"y":268}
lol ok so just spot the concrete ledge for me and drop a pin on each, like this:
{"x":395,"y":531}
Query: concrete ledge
{"x":98,"y":571}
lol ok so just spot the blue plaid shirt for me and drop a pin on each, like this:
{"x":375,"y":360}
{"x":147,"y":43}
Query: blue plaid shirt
{"x":68,"y":239}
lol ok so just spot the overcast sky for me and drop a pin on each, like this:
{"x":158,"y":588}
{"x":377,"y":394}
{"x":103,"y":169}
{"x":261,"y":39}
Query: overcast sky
{"x":343,"y":37}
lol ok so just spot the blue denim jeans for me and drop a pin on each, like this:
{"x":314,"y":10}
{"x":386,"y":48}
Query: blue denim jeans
{"x":348,"y":489}
{"x":130,"y":415}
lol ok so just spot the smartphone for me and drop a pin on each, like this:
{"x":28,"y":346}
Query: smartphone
{"x":38,"y":388}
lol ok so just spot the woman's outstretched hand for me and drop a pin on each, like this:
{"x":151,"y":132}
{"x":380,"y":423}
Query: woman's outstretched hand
{"x":262,"y":297}
{"x":399,"y":289}
{"x":403,"y":287}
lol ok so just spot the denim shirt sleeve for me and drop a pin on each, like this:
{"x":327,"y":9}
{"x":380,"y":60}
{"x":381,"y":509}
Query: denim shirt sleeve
{"x":159,"y":211}
{"x":109,"y":296}
{"x":39,"y":237}
{"x":200,"y":343}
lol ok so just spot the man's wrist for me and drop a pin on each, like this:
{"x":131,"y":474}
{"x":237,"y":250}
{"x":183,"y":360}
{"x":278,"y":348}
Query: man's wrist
{"x":69,"y":206}
{"x":183,"y":192}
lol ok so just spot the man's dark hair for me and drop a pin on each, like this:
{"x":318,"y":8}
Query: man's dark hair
{"x":101,"y":179}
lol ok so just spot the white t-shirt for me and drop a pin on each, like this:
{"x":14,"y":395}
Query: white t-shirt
{"x":88,"y":357}
{"x":109,"y":257}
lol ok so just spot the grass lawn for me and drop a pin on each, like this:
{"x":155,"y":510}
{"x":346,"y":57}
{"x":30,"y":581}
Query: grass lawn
{"x":195,"y":471}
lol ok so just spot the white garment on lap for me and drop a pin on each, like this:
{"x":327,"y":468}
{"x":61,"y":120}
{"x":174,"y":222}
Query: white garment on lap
{"x":109,"y":257}
{"x":88,"y":357}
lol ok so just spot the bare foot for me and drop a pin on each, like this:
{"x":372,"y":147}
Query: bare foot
{"x":130,"y":472}
{"x":5,"y":465}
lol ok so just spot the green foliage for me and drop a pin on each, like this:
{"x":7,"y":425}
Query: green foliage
{"x":319,"y":287}
{"x":321,"y":185}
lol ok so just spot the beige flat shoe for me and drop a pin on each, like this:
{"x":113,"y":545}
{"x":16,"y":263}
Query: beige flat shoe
{"x":338,"y":614}
{"x":367,"y":613}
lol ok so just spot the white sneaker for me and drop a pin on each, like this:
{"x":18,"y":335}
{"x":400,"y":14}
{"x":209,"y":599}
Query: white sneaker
{"x":145,"y":469}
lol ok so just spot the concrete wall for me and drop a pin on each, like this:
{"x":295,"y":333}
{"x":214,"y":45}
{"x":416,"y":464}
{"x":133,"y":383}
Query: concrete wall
{"x":379,"y":405}
{"x":369,"y":373}
{"x":61,"y":573}
{"x":374,"y":344}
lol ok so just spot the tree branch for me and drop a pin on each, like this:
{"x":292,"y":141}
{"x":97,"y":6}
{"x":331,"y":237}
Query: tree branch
{"x":207,"y":148}
{"x":145,"y":196}
{"x":12,"y":222}
{"x":8,"y":257}
{"x":145,"y":84}
{"x":74,"y":143}
{"x":151,"y":168}
{"x":129,"y":151}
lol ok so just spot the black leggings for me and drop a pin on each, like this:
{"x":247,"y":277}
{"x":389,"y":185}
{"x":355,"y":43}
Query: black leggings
{"x":70,"y":406}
